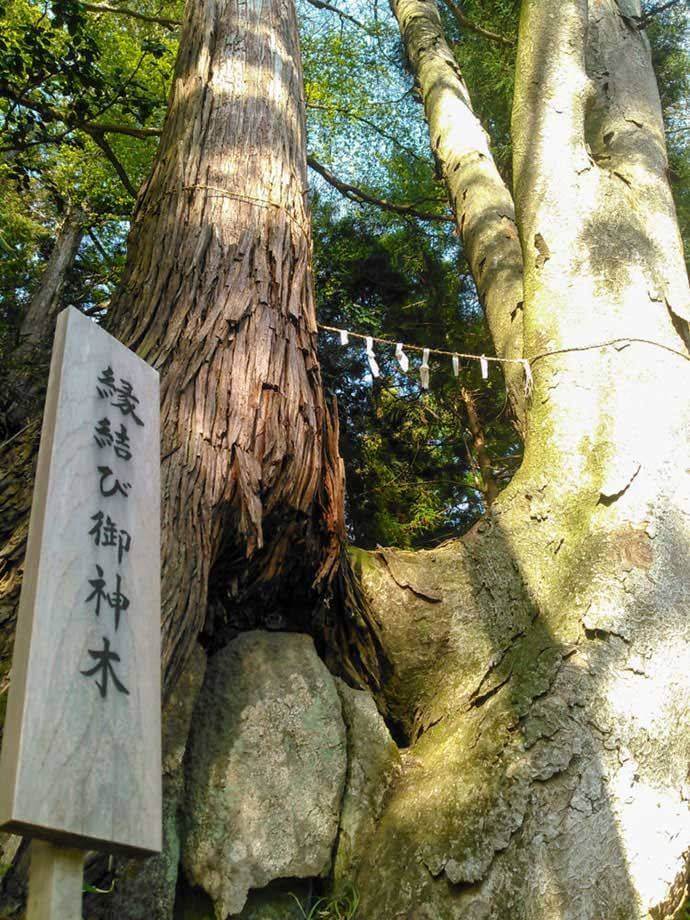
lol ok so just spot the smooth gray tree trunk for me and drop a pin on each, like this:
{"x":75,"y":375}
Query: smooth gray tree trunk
{"x":540,"y":666}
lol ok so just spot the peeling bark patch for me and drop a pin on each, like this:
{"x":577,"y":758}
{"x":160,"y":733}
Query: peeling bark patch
{"x":633,"y":548}
{"x":542,"y":249}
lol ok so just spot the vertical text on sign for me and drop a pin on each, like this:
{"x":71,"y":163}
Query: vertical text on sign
{"x":119,"y":394}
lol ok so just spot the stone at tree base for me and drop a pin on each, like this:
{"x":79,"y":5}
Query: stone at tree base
{"x":14,"y":875}
{"x":286,"y":899}
{"x":373,"y":762}
{"x":145,"y":890}
{"x":275,"y":902}
{"x":265,"y":769}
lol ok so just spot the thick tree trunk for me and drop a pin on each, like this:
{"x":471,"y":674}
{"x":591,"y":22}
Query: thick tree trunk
{"x":482,"y":204}
{"x":540,"y":667}
{"x":39,"y":319}
{"x":22,"y":381}
{"x":217,"y":294}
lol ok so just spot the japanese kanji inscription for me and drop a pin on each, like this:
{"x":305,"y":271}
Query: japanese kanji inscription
{"x":81,"y":758}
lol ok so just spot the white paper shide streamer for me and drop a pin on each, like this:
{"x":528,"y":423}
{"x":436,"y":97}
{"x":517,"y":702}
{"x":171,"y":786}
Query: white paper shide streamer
{"x":403,"y":360}
{"x":529,"y":380}
{"x":424,"y":369}
{"x":375,"y":372}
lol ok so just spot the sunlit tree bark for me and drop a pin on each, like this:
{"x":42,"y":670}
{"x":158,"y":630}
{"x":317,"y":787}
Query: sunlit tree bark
{"x":541,"y":665}
{"x":217,"y":294}
{"x":482,"y":204}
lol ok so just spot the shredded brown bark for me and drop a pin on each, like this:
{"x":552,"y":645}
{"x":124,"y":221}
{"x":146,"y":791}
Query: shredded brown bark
{"x":217,"y":294}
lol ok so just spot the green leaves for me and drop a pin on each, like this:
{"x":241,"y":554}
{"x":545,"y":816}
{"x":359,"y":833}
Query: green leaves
{"x":63,"y":70}
{"x":411,"y":474}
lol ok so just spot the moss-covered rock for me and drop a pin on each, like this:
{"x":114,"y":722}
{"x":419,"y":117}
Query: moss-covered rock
{"x":265,"y":770}
{"x":373,"y":762}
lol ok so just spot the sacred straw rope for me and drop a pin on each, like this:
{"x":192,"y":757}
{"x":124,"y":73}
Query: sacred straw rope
{"x":439,"y":351}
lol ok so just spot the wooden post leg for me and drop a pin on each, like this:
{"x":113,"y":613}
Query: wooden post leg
{"x":55,"y":882}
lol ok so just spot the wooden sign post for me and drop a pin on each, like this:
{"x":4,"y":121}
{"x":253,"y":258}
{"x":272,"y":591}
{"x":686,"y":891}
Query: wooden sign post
{"x":81,"y":758}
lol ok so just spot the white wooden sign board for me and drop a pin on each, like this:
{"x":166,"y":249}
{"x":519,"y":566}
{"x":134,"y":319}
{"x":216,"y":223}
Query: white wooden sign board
{"x":81,"y":758}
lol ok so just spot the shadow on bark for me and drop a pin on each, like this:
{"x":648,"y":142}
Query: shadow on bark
{"x":531,"y":781}
{"x":539,"y":666}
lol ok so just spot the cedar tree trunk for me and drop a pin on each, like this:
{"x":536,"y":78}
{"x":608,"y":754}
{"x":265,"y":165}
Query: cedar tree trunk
{"x":217,"y":295}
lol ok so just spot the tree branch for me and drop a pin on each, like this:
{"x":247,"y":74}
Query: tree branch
{"x":19,"y":98}
{"x":171,"y":24}
{"x":353,"y":193}
{"x":644,"y":21}
{"x":117,"y":166}
{"x":489,"y":485}
{"x":481,"y":201}
{"x":97,"y":243}
{"x":466,"y":23}
{"x":50,"y":114}
{"x":322,"y":5}
{"x":128,"y":130}
{"x":365,"y":121}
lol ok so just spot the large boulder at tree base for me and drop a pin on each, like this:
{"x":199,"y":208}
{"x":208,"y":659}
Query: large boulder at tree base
{"x":265,"y":769}
{"x":373,"y":762}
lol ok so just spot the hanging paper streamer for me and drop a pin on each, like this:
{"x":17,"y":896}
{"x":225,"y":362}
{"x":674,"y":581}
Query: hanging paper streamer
{"x":371,"y":357}
{"x":529,"y":380}
{"x":403,"y":360}
{"x":424,"y":369}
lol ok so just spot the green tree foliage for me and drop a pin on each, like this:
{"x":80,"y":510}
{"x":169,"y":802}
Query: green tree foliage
{"x":73,"y":83}
{"x":412,"y":472}
{"x":670,"y":43}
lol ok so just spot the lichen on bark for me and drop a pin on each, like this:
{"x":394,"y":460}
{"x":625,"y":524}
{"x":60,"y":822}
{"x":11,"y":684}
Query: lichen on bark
{"x":539,"y":666}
